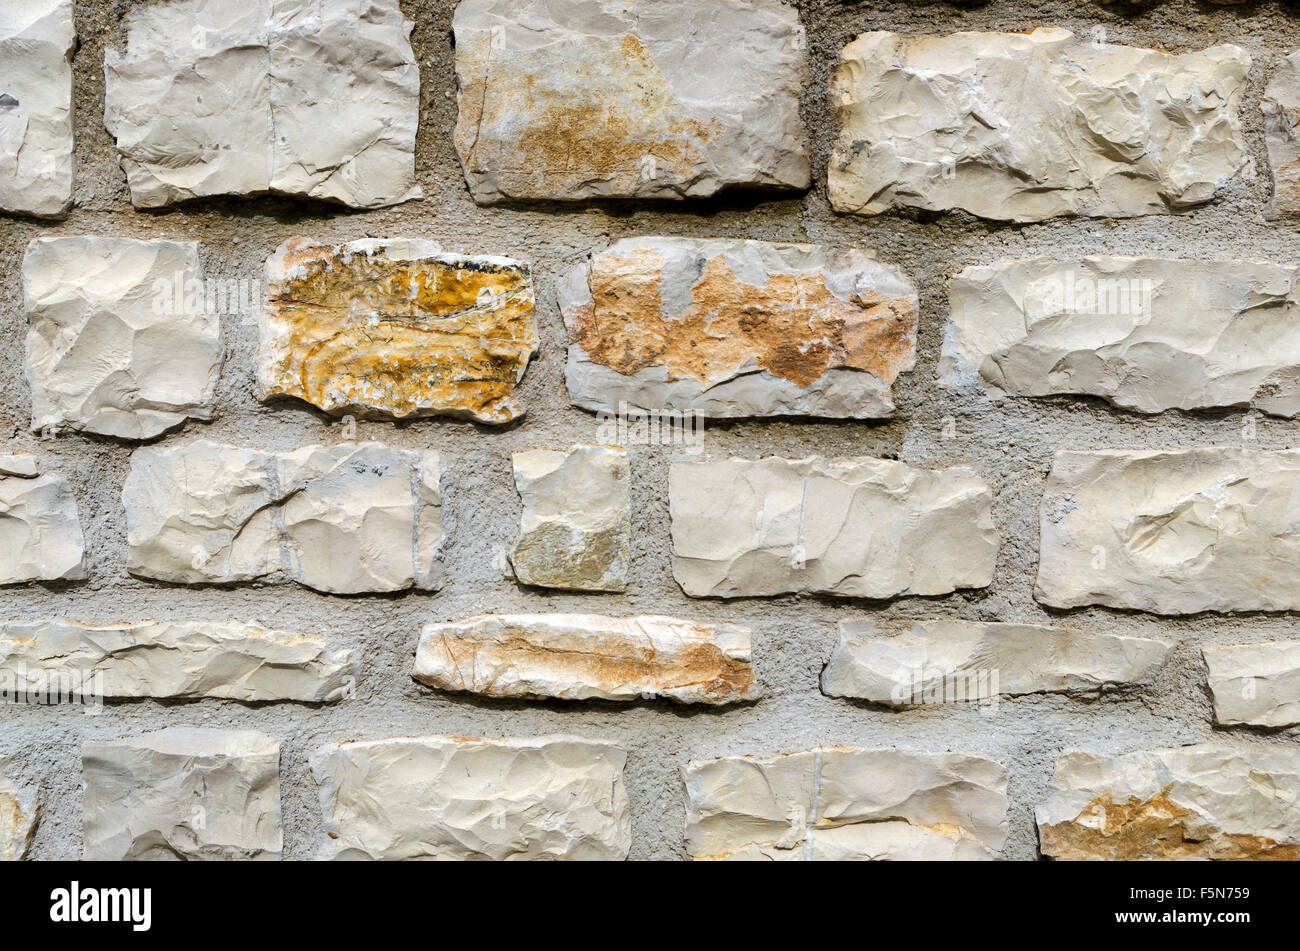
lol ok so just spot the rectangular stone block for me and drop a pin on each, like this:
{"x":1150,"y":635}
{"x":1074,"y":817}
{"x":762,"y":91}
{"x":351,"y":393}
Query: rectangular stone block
{"x":37,"y":38}
{"x":909,"y":663}
{"x":1281,"y":107}
{"x":859,"y":527}
{"x":1255,"y":684}
{"x":182,"y":793}
{"x":345,"y":519}
{"x":396,"y":329}
{"x":40,"y":534}
{"x":588,"y":656}
{"x":1210,"y":529}
{"x":837,"y":803}
{"x":1110,"y":131}
{"x":737,"y":328}
{"x":113,"y":347}
{"x":600,"y":98}
{"x":1145,"y":334}
{"x":1191,"y":803}
{"x":185,"y":660}
{"x":310,"y":98}
{"x":19,"y":811}
{"x":442,"y":797}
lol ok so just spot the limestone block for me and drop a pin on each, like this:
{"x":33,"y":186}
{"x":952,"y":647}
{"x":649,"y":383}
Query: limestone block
{"x":19,"y":812}
{"x":40,"y":535}
{"x":1255,"y":684}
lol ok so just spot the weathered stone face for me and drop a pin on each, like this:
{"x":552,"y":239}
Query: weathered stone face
{"x":588,"y":656}
{"x":860,"y":527}
{"x":943,"y":122}
{"x":599,"y":98}
{"x":1281,"y":107}
{"x":737,"y":328}
{"x":42,"y":539}
{"x":1171,"y":532}
{"x":442,"y":797}
{"x":1255,"y":684}
{"x":18,"y":815}
{"x":183,"y":793}
{"x":113,"y":344}
{"x":838,"y":803}
{"x":1143,"y":333}
{"x":396,"y":329}
{"x":925,"y":662}
{"x":346,"y":519}
{"x":310,"y":98}
{"x":177,"y":659}
{"x":37,"y":38}
{"x":1201,"y":802}
{"x":575,"y":531}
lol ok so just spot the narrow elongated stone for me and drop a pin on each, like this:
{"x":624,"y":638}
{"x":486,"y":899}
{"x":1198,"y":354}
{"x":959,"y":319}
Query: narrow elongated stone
{"x":42,"y":538}
{"x":600,"y":98}
{"x":575,"y":531}
{"x":1143,"y":333}
{"x":1210,"y":529}
{"x":1255,"y":684}
{"x":311,"y":98}
{"x":588,"y":656}
{"x":443,"y":797}
{"x":111,"y":347}
{"x":737,"y":328}
{"x":922,"y":662}
{"x":182,"y":793}
{"x":37,"y":38}
{"x":177,"y":659}
{"x":1281,"y":107}
{"x":19,"y":812}
{"x":861,"y":527}
{"x":839,"y":803}
{"x":944,"y":122}
{"x":345,"y":519}
{"x":1199,"y":802}
{"x":396,"y":329}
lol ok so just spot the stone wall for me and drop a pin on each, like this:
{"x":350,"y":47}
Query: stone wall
{"x":975,"y":559}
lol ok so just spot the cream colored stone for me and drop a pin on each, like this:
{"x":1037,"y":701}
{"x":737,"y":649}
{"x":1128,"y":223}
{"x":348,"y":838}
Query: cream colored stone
{"x":835,"y":803}
{"x":944,"y":122}
{"x":588,"y":656}
{"x":575,"y":531}
{"x":860,"y":527}
{"x":1255,"y":684}
{"x":601,"y":98}
{"x":1211,"y":529}
{"x":37,"y":38}
{"x":112,"y":348}
{"x":1281,"y":107}
{"x":40,"y":535}
{"x":441,"y":797}
{"x":19,"y":813}
{"x":736,"y":328}
{"x":922,"y":662}
{"x":345,"y":519}
{"x":1198,"y":802}
{"x":22,"y":465}
{"x":310,"y":98}
{"x":177,"y":659}
{"x":1143,"y":333}
{"x":182,"y":793}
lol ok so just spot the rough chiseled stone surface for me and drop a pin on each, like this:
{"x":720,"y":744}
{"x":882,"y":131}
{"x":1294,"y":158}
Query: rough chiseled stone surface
{"x":588,"y":656}
{"x":601,"y":98}
{"x":1255,"y":684}
{"x":37,"y":38}
{"x":860,"y":527}
{"x":1281,"y":107}
{"x":40,"y":535}
{"x":1200,"y":802}
{"x":837,"y":804}
{"x":111,"y":347}
{"x":1210,"y":529}
{"x":737,"y":328}
{"x":443,"y":797}
{"x":311,"y":98}
{"x":182,"y":793}
{"x":1145,"y":334}
{"x":575,"y":531}
{"x":177,"y":659}
{"x":396,"y":329}
{"x":916,"y":662}
{"x":345,"y":519}
{"x":944,"y":122}
{"x":18,"y":815}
